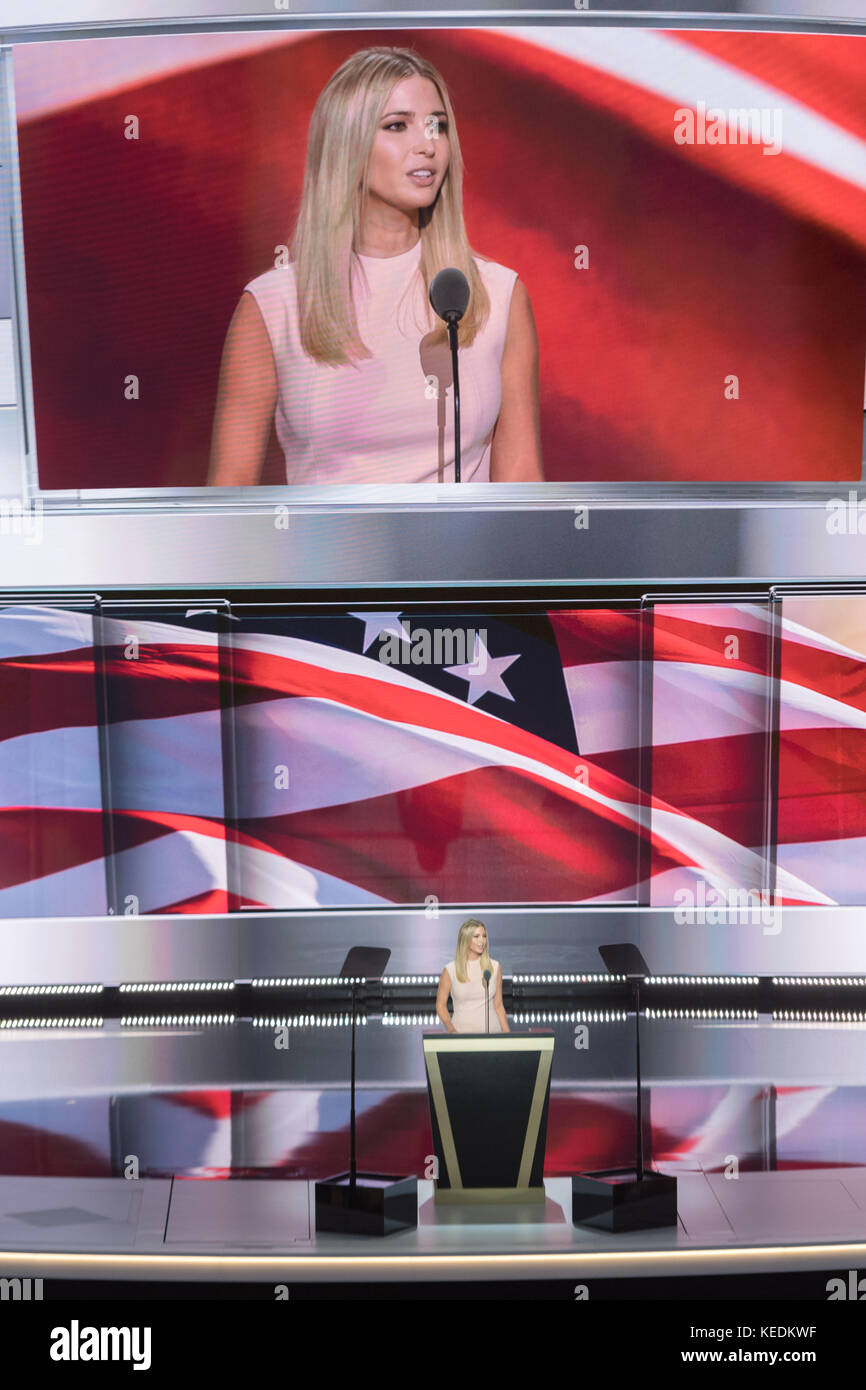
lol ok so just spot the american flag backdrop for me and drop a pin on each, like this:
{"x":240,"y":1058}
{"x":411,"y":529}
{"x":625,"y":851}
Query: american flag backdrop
{"x":168,"y":768}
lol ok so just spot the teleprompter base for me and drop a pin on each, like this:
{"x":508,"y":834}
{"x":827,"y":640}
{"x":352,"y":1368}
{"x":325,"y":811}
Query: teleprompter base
{"x":377,"y":1205}
{"x":620,"y":1200}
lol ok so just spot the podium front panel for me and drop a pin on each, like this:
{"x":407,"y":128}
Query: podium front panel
{"x":488,"y":1108}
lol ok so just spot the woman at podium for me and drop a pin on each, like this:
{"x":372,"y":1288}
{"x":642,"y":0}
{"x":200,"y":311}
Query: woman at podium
{"x":477,"y":1009}
{"x":338,"y":345}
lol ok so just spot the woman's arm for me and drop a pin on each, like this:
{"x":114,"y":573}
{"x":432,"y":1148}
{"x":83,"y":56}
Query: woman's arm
{"x":442,"y":1001}
{"x":246,"y":400}
{"x":498,"y":1006}
{"x":515,"y":454}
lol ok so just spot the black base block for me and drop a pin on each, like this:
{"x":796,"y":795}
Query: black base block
{"x":377,"y":1205}
{"x":620,"y":1200}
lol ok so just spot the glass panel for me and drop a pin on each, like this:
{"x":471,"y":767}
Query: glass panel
{"x":52,"y":853}
{"x":423,"y":757}
{"x":708,"y":725}
{"x":776,"y":1095}
{"x":162,"y":671}
{"x":821,"y":816}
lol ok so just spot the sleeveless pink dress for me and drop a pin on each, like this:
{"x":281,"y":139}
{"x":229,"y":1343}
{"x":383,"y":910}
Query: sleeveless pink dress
{"x":390,"y":418}
{"x":469,"y":1008}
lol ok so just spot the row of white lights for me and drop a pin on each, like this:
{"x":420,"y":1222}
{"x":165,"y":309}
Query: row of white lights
{"x":820,"y":1016}
{"x":311,"y":980}
{"x":391,"y":1020}
{"x":51,"y":1023}
{"x":811,"y":980}
{"x":566,"y":979}
{"x":702,"y":980}
{"x":179,"y":985}
{"x":822,"y":980}
{"x":163,"y":1020}
{"x":308,"y":1021}
{"x":400,"y":1020}
{"x":50,"y":989}
{"x":600,"y":1016}
{"x":701,"y":1013}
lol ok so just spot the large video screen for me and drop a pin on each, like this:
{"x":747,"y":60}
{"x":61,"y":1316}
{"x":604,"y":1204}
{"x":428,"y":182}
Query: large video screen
{"x":229,"y":242}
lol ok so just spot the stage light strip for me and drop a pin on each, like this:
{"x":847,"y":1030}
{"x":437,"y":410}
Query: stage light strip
{"x":10,"y":1023}
{"x":817,"y":1016}
{"x":701,"y":1013}
{"x":287,"y":982}
{"x":569,"y":979}
{"x":650,"y":1263}
{"x":702,"y":980}
{"x":578,"y":1016}
{"x":22,"y":990}
{"x":309,"y":1021}
{"x":179,"y":985}
{"x":174,"y":1020}
{"x":820,"y":981}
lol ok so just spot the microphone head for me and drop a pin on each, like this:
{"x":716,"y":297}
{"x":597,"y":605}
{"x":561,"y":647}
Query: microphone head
{"x":487,"y":977}
{"x":449,"y":293}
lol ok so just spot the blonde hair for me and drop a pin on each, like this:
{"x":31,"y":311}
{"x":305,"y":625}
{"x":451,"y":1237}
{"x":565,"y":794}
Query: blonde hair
{"x":327,"y":234}
{"x":464,"y":936}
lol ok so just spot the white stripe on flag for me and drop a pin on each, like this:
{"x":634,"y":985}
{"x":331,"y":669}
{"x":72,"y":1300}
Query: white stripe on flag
{"x":33,"y":631}
{"x":683,"y":75}
{"x":833,"y":866}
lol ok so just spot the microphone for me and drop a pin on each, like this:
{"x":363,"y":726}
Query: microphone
{"x":487,"y":997}
{"x":449,"y":296}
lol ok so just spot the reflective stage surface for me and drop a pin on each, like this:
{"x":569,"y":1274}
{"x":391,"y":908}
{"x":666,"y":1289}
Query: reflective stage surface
{"x":764,"y":1222}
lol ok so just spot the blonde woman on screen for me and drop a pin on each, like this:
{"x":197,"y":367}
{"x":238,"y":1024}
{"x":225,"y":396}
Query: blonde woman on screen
{"x":463,"y":979}
{"x":339,"y":346}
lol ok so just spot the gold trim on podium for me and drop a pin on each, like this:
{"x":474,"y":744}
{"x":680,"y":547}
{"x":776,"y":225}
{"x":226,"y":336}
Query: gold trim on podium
{"x":443,"y":1119}
{"x":545,"y":1059}
{"x":468,"y":1196}
{"x":526,"y":1043}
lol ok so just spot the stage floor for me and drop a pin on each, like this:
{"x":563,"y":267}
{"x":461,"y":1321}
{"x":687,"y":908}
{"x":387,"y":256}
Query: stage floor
{"x":262,"y":1230}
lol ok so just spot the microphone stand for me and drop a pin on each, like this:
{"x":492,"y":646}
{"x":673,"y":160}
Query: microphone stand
{"x":641,"y":1173}
{"x":452,"y":338}
{"x":353,"y":1166}
{"x":449,"y":296}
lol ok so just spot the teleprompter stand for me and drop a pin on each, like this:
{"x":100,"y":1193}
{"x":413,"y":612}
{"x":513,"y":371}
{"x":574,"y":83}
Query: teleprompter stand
{"x":365,"y":1204}
{"x":626,"y":1199}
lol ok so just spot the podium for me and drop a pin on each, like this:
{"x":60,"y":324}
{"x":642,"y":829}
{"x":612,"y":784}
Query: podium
{"x":489,"y":1095}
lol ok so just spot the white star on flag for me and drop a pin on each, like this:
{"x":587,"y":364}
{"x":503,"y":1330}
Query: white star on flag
{"x":377,"y":623}
{"x":485,"y":673}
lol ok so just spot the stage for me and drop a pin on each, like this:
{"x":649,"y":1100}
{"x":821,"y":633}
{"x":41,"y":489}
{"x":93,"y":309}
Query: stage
{"x":767,"y":1223}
